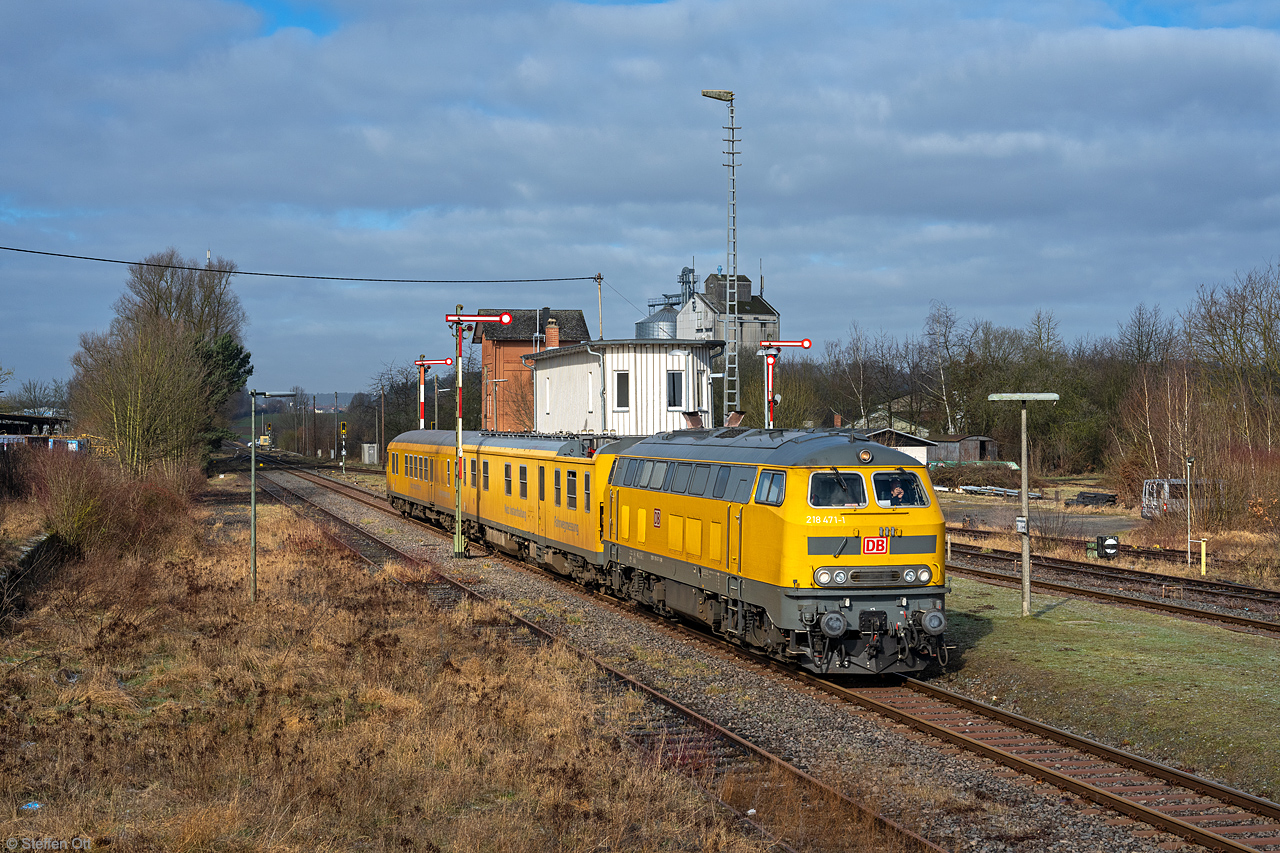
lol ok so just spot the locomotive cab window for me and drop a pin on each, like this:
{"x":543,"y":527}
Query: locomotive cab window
{"x":898,"y":488}
{"x":772,"y":488}
{"x":836,"y":488}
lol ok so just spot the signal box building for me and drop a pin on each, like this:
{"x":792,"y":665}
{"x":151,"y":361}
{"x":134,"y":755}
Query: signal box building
{"x":623,"y":387}
{"x":506,"y":381}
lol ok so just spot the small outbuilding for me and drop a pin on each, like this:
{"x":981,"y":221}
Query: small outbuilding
{"x":913,"y":445}
{"x":964,"y":448}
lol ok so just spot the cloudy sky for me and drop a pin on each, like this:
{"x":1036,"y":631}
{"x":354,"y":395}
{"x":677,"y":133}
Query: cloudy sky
{"x":1003,"y":158}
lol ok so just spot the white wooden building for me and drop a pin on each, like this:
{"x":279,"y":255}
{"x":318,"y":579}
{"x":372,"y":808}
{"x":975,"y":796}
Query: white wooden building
{"x":623,"y":387}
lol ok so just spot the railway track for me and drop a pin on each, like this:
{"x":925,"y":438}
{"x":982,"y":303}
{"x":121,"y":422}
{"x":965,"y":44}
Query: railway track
{"x":729,"y":768}
{"x":1138,"y":552}
{"x":1243,"y":607}
{"x":1168,"y":800}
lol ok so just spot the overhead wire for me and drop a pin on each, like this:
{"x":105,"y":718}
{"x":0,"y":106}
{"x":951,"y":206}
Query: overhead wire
{"x":314,"y":277}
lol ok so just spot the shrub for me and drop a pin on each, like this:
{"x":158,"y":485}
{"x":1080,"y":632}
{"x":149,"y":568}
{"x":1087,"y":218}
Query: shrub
{"x":96,"y":508}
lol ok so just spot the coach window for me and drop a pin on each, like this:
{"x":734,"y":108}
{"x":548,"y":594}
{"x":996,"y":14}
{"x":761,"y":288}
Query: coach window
{"x":484,"y":473}
{"x":772,"y":488}
{"x":571,"y":489}
{"x":506,"y":471}
{"x":542,"y":483}
{"x":586,"y":490}
{"x":633,"y":465}
{"x":698,"y":483}
{"x":642,"y":476}
{"x":473,"y":473}
{"x":680,"y":479}
{"x":557,"y":487}
{"x":524,"y":482}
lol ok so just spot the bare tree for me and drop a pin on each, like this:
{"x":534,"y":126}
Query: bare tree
{"x":1147,"y":337}
{"x":940,"y":331}
{"x":141,"y":388}
{"x":199,"y":298}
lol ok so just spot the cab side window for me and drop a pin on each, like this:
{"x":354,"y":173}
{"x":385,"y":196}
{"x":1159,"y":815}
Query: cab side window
{"x":772,"y":488}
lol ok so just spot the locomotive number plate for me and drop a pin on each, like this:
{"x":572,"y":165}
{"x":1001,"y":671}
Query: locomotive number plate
{"x":875,"y":544}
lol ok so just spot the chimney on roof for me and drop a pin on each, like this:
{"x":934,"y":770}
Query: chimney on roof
{"x":553,"y":334}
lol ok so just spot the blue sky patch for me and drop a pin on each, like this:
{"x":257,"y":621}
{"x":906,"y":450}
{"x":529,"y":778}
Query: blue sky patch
{"x":282,"y":14}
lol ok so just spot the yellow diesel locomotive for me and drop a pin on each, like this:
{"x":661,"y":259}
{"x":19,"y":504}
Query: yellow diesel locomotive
{"x":815,"y":547}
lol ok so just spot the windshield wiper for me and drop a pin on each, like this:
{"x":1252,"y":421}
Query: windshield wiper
{"x":840,"y":480}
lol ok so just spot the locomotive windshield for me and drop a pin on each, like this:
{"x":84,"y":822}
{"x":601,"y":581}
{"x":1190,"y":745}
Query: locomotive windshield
{"x":899,"y":488}
{"x":836,"y":488}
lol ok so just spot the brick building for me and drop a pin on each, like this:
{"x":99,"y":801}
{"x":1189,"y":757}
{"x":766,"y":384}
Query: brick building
{"x":507,"y":402}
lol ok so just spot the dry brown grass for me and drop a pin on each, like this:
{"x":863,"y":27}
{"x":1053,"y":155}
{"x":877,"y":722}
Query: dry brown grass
{"x":149,"y":706}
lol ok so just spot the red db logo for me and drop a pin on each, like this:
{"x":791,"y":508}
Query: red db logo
{"x":875,"y":545}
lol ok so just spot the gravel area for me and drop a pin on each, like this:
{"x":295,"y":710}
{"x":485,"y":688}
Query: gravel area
{"x":960,"y":801}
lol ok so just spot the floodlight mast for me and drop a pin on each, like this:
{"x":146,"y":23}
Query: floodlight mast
{"x":459,"y":322}
{"x":1026,"y":505}
{"x":253,"y":486}
{"x":731,"y":275}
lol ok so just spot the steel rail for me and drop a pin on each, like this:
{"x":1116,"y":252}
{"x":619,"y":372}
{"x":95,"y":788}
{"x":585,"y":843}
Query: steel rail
{"x":891,"y":828}
{"x":1118,"y":598}
{"x":1224,"y":588}
{"x":1117,"y":802}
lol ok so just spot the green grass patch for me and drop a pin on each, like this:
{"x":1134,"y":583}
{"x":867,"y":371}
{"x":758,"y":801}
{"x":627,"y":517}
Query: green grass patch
{"x":1199,"y":697}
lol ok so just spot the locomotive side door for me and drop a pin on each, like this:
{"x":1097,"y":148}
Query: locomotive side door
{"x":733,"y":527}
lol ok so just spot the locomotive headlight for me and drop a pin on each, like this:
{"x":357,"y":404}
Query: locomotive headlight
{"x":909,"y":576}
{"x":823,"y":577}
{"x":925,"y":575}
{"x":841,"y":577}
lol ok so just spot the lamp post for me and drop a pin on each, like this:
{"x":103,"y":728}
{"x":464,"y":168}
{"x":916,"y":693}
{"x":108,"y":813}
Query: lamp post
{"x":1024,"y":525}
{"x":1190,"y":461}
{"x":731,"y":280}
{"x":459,"y":322}
{"x":424,"y":364}
{"x":771,"y":350}
{"x":253,"y":486}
